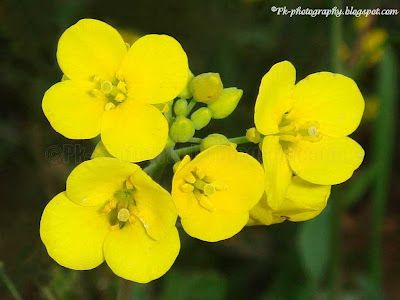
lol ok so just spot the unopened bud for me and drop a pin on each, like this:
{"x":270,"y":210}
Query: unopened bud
{"x":180,"y":107}
{"x":201,"y":118}
{"x":253,"y":135}
{"x":214,"y":140}
{"x":206,"y":87}
{"x":226,"y":103}
{"x":182,"y":130}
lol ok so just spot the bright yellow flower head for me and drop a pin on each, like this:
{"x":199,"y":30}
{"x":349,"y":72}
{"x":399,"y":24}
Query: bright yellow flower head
{"x":306,"y":126}
{"x":111,"y":88}
{"x":112,"y":211}
{"x":215,"y":192}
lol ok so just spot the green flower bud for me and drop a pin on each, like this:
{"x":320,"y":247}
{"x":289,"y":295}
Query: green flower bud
{"x":100,"y":151}
{"x":206,"y":87}
{"x":182,"y":130}
{"x":215,"y":139}
{"x":226,"y":103}
{"x":201,"y":118}
{"x":187,"y":93}
{"x":180,"y":107}
{"x":253,"y":135}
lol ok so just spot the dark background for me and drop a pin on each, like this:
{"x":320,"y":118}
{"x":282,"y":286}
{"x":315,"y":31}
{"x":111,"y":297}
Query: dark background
{"x":335,"y":256}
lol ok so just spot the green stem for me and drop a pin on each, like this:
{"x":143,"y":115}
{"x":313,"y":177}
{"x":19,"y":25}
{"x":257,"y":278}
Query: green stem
{"x":125,"y":290}
{"x":195,"y":140}
{"x":8,"y":283}
{"x":335,"y":236}
{"x":239,"y":140}
{"x":190,"y":106}
{"x":187,"y":150}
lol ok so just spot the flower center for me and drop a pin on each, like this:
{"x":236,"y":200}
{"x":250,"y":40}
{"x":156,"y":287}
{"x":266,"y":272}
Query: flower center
{"x":293,"y":131}
{"x":122,"y":209}
{"x":115,"y":90}
{"x":202,"y":187}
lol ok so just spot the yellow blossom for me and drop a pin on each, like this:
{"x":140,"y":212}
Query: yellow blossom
{"x":112,"y":211}
{"x":215,"y":192}
{"x":111,"y":89}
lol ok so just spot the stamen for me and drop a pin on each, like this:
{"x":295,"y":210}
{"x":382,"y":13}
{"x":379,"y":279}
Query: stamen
{"x":109,"y":106}
{"x":312,"y":131}
{"x":209,"y":189}
{"x":187,"y":188}
{"x":123,"y":215}
{"x":120,"y":97}
{"x":106,"y":87}
{"x":205,"y":202}
{"x":189,"y":178}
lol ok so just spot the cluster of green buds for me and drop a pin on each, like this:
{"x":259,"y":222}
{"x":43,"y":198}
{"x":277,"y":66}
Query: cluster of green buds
{"x":213,"y":101}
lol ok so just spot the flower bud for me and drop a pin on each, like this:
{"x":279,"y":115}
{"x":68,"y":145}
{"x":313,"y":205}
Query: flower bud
{"x":180,"y":107}
{"x":186,"y":92}
{"x":214,"y":140}
{"x":201,"y":118}
{"x":253,"y":135}
{"x":182,"y":130}
{"x":226,"y":103}
{"x":206,"y":87}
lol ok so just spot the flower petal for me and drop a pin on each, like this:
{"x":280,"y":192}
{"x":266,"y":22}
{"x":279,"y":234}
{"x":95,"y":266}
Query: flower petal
{"x":214,"y":227}
{"x":155,"y":207}
{"x":73,"y":234}
{"x":304,"y":200}
{"x":328,"y":161}
{"x":274,"y":97}
{"x":332,"y":100}
{"x":155,"y":69}
{"x":95,"y":181}
{"x":262,"y":214}
{"x":72,"y":110}
{"x":134,"y":132}
{"x":277,"y":171}
{"x":133,"y":255}
{"x":90,"y":48}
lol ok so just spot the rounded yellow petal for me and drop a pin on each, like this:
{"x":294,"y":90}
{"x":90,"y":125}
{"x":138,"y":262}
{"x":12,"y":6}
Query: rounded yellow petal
{"x":133,"y":255}
{"x":134,"y":132}
{"x":95,"y":181}
{"x":304,"y":200}
{"x":214,"y":227}
{"x":332,"y":100}
{"x":72,"y":110}
{"x":328,"y":161}
{"x":262,"y":214}
{"x":90,"y":48}
{"x":73,"y":234}
{"x":277,"y":171}
{"x":274,"y":97}
{"x":155,"y":69}
{"x":154,"y":205}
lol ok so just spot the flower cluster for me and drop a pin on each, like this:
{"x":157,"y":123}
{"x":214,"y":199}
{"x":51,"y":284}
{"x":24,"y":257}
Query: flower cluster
{"x":144,"y":102}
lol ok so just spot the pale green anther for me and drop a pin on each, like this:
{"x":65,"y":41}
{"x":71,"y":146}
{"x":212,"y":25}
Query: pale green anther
{"x":201,"y":118}
{"x":120,"y":97}
{"x":209,"y":189}
{"x":182,"y":130}
{"x":186,"y":93}
{"x":187,"y":188}
{"x":226,"y":103}
{"x":199,"y":184}
{"x":206,"y":87}
{"x":213,"y":140}
{"x":180,"y":107}
{"x":109,"y":106}
{"x":106,"y":87}
{"x":123,"y":215}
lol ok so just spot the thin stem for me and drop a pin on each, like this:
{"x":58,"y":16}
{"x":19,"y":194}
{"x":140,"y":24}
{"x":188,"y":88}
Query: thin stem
{"x":8,"y":283}
{"x":190,"y":106}
{"x":195,"y":140}
{"x":172,"y":153}
{"x":335,"y":237}
{"x":125,"y":290}
{"x":187,"y":150}
{"x":239,"y":140}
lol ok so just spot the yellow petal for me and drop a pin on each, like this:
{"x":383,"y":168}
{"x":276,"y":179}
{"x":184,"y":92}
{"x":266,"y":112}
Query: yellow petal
{"x":328,"y":161}
{"x":134,"y":132}
{"x":90,"y":48}
{"x":274,"y":97}
{"x":95,"y":181}
{"x":263,"y":214}
{"x":214,"y":227}
{"x":155,"y":69}
{"x":133,"y":255}
{"x":238,"y":176}
{"x":154,"y":206}
{"x":304,"y":200}
{"x":332,"y":100}
{"x":72,"y":110}
{"x":73,"y":234}
{"x":277,"y":171}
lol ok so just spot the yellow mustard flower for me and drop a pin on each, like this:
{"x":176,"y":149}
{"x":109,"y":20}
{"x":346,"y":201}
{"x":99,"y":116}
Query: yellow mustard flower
{"x":215,"y":191}
{"x":111,"y":89}
{"x":306,"y":127}
{"x":112,"y":211}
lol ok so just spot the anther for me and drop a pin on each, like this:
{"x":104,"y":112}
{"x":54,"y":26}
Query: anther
{"x":106,"y":87}
{"x":187,"y":188}
{"x":312,"y":131}
{"x":122,"y":86}
{"x":123,"y":215}
{"x":209,"y":189}
{"x":189,"y":178}
{"x":109,"y":106}
{"x":120,"y":97}
{"x":205,"y":203}
{"x":200,"y":174}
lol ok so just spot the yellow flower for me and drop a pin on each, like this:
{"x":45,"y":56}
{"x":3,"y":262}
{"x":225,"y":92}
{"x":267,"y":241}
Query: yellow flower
{"x":215,"y":192}
{"x":112,"y":89}
{"x":306,"y":127}
{"x":112,"y":211}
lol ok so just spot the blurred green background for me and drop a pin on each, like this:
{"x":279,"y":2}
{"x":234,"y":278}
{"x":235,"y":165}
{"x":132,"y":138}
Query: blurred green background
{"x":351,"y":251}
